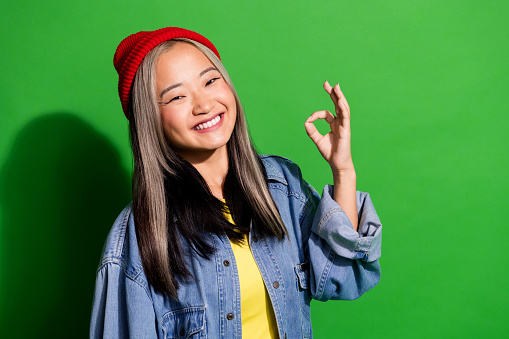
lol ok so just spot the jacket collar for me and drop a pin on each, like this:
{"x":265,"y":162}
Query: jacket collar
{"x":273,"y":173}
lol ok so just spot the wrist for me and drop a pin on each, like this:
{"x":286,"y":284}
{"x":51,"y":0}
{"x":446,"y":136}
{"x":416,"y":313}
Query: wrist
{"x":344,"y":175}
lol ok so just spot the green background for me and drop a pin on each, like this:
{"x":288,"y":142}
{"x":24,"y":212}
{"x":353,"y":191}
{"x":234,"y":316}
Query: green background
{"x":427,"y":84}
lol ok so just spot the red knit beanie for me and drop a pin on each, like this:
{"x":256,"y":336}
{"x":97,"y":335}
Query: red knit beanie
{"x":132,"y":50}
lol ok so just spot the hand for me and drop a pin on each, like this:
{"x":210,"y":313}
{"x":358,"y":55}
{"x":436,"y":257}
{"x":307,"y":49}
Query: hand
{"x":335,"y":146}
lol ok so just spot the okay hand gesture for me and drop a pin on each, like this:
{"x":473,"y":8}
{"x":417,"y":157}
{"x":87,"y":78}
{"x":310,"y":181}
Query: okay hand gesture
{"x":335,"y":146}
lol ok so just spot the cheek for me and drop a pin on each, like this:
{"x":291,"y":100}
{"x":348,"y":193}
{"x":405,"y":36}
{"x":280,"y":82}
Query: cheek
{"x":228,"y":98}
{"x":172,"y":123}
{"x":166,"y":120}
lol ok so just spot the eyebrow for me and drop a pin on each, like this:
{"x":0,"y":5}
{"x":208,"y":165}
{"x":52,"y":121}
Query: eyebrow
{"x":211,"y":68}
{"x":167,"y":89}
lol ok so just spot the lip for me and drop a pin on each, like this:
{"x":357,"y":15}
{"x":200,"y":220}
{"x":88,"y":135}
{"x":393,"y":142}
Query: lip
{"x":212,"y":128}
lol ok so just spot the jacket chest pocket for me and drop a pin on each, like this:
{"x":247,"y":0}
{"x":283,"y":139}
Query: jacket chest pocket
{"x":185,"y":323}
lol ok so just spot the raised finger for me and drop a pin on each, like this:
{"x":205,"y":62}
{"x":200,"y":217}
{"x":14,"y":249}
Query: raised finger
{"x":341,"y":96}
{"x":327,"y":87}
{"x":333,"y":95}
{"x":330,"y":90}
{"x":342,"y":109}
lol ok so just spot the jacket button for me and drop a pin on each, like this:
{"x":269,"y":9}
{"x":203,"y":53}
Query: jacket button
{"x":229,"y":316}
{"x":226,"y":263}
{"x":275,"y":284}
{"x":182,"y":332}
{"x":255,"y":238}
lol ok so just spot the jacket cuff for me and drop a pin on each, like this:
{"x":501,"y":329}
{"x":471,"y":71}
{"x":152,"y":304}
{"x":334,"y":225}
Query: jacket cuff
{"x":333,"y":225}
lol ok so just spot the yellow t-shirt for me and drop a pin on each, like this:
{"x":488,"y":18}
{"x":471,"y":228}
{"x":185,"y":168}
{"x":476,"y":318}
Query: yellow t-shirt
{"x":258,"y":319}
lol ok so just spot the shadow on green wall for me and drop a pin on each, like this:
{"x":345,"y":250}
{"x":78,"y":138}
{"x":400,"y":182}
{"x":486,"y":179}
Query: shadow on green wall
{"x":61,"y":188}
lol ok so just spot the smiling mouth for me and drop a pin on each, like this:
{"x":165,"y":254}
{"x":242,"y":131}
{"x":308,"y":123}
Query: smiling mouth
{"x":209,"y":124}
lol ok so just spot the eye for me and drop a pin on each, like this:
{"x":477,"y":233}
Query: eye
{"x":173,"y":99}
{"x":211,"y":81}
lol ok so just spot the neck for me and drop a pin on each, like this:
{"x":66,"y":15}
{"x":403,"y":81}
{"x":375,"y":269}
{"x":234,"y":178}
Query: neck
{"x":212,"y":166}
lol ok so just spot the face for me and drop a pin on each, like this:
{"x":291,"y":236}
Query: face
{"x":197,"y":106}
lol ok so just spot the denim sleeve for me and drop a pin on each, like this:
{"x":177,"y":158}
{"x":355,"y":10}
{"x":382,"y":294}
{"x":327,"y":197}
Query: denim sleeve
{"x":122,"y":307}
{"x":344,"y":262}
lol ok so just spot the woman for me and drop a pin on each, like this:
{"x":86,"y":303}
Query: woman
{"x":219,"y":241}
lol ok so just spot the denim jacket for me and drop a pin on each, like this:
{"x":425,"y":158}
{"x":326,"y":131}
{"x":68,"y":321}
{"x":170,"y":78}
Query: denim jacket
{"x":322,"y":258}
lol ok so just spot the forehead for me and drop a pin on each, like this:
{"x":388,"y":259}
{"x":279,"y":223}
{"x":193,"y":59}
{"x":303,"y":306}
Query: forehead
{"x":180,"y":58}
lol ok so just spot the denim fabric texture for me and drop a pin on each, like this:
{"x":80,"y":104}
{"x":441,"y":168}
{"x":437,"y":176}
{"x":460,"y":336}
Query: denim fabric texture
{"x":323,"y":258}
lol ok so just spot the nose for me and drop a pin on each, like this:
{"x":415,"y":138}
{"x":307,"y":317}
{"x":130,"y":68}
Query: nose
{"x":203,"y":103}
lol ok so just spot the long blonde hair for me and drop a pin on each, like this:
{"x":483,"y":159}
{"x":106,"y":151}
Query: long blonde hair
{"x":156,"y":164}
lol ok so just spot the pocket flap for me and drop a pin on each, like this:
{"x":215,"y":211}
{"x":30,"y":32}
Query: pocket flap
{"x":302,"y":271}
{"x":184,"y":322}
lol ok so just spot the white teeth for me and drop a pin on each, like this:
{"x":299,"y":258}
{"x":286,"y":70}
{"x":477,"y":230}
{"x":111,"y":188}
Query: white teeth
{"x":208,"y":124}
